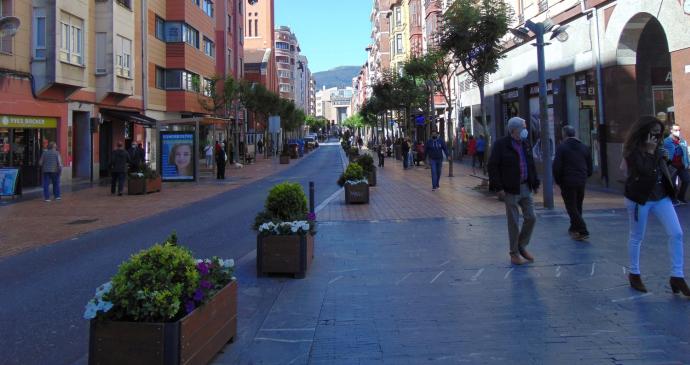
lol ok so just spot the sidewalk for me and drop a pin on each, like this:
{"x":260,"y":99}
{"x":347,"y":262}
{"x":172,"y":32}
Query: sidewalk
{"x":32,"y":223}
{"x":417,"y":277}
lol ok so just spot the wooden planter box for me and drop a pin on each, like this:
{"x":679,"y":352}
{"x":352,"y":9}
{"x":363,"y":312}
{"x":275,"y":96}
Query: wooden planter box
{"x":357,"y":193}
{"x":194,"y":339}
{"x":371,"y":177}
{"x":284,"y":159}
{"x":284,"y":254}
{"x":143,"y":186}
{"x":352,"y":157}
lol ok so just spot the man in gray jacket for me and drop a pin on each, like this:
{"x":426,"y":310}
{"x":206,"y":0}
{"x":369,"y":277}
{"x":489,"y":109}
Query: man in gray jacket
{"x":118,"y":168}
{"x":51,"y":164}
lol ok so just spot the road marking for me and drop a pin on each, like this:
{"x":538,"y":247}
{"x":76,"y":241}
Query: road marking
{"x":404,"y":277}
{"x":288,"y":329}
{"x":342,"y":271}
{"x":558,"y":271}
{"x":476,"y":276}
{"x":508,"y":273}
{"x":436,"y":277}
{"x":280,"y":340}
{"x":444,"y":264}
{"x":623,"y":267}
{"x":593,"y":266}
{"x":336,"y":279}
{"x":328,"y":200}
{"x":630,"y":298}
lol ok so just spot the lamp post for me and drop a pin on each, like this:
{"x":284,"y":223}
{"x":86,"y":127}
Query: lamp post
{"x":539,"y":30}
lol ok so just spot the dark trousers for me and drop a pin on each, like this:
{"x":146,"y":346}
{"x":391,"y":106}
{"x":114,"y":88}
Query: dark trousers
{"x":573,"y":197}
{"x":684,"y":176}
{"x":119,"y":178}
{"x":405,"y":158}
{"x":478,"y":156}
{"x":381,"y":157}
{"x":220,"y":169}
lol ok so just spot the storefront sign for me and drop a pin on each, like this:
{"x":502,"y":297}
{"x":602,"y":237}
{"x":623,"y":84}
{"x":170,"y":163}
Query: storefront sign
{"x":16,"y":121}
{"x":662,"y":76}
{"x":8,"y":181}
{"x":177,"y":156}
{"x":534,"y":89}
{"x":509,"y":95}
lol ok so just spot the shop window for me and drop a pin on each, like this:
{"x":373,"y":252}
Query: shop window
{"x":39,"y":34}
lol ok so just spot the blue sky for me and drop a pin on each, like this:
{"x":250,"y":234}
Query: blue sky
{"x":331,"y":33}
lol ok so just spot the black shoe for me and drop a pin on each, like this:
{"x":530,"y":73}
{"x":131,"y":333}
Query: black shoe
{"x":636,"y":282}
{"x":683,"y":201}
{"x":679,"y":285}
{"x":119,"y":194}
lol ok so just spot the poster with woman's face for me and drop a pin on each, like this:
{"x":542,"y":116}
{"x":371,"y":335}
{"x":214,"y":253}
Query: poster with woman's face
{"x":177,"y":156}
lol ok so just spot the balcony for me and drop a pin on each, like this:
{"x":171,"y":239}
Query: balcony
{"x":115,"y":50}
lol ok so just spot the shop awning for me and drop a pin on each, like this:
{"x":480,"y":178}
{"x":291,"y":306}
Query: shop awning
{"x":130,"y":116}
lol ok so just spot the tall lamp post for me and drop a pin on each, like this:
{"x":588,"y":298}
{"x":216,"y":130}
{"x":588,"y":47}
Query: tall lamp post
{"x":539,"y":30}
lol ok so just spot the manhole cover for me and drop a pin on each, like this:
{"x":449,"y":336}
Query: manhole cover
{"x":83,"y":221}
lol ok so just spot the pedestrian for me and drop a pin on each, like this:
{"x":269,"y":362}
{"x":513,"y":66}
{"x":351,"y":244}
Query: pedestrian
{"x":260,"y":145}
{"x":648,"y":189}
{"x":208,"y":152}
{"x":381,"y":156}
{"x":51,"y":166}
{"x":420,"y":152}
{"x":360,"y":142}
{"x":136,"y":157}
{"x":434,"y":150}
{"x":409,"y":155}
{"x":472,"y":149}
{"x":572,"y":165}
{"x":221,"y":157}
{"x":513,"y":176}
{"x":677,"y":149}
{"x":405,"y":147}
{"x":119,"y":159}
{"x":230,"y":151}
{"x":481,"y":147}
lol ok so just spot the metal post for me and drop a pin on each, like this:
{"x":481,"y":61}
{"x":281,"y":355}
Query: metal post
{"x":311,"y":197}
{"x":545,"y":123}
{"x":196,"y":151}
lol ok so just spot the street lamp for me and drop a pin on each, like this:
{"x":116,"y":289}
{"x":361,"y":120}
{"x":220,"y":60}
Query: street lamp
{"x":559,"y":32}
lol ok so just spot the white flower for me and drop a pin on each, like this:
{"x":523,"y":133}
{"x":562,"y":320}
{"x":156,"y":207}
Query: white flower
{"x":229,"y":263}
{"x":103,"y":289}
{"x":198,"y":261}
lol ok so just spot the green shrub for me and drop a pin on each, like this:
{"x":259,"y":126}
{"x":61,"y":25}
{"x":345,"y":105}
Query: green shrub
{"x":353,"y":172}
{"x":285,"y":202}
{"x":151,"y":285}
{"x":354,"y":150}
{"x":367,"y":163}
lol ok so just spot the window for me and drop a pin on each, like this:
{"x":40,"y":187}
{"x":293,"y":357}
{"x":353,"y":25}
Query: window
{"x":229,"y":23}
{"x":285,"y":88}
{"x":173,"y":79}
{"x":209,"y":47}
{"x":160,"y":78}
{"x":282,"y":45}
{"x":249,"y":32}
{"x":196,"y":2}
{"x":207,"y":7}
{"x":126,"y":3}
{"x":398,"y":44}
{"x":160,"y":28}
{"x":71,"y":39}
{"x":282,"y":59}
{"x":256,"y":26}
{"x":285,"y":74}
{"x":101,"y":41}
{"x":39,"y":36}
{"x":182,"y":80}
{"x":6,"y":41}
{"x":398,"y":16}
{"x":206,"y":85}
{"x":231,"y":62}
{"x":190,"y":36}
{"x":191,"y":81}
{"x":173,"y":32}
{"x":123,"y":56}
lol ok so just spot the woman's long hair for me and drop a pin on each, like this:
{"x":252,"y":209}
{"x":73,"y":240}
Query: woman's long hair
{"x":638,"y":133}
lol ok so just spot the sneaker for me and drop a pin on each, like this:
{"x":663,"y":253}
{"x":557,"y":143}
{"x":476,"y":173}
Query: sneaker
{"x":683,"y":201}
{"x":580,"y":236}
{"x":676,"y":203}
{"x":58,"y":198}
{"x":119,"y":194}
{"x":433,"y":189}
{"x":47,"y":200}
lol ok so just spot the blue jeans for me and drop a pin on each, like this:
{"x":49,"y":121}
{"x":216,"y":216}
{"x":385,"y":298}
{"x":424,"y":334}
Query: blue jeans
{"x":405,"y":160}
{"x":666,"y":214}
{"x":51,"y":178}
{"x":436,"y":166}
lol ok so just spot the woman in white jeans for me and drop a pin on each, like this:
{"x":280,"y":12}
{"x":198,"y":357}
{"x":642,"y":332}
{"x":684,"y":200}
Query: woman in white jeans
{"x":648,"y":189}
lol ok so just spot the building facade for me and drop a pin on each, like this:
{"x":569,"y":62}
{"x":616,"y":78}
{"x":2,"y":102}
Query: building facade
{"x":379,"y":53}
{"x":259,"y":41}
{"x":399,"y":31}
{"x":287,"y":55}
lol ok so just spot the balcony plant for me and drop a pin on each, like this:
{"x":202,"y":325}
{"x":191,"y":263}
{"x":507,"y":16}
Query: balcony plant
{"x":143,"y":180}
{"x":163,"y":307}
{"x":285,"y":232}
{"x":355,"y":183}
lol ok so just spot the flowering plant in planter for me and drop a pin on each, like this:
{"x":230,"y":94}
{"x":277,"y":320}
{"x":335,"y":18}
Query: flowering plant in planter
{"x":285,"y":212}
{"x":353,"y":175}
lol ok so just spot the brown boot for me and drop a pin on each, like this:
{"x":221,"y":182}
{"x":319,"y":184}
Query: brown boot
{"x":526,"y":255}
{"x":636,"y":282}
{"x":679,"y":285}
{"x":515,"y":259}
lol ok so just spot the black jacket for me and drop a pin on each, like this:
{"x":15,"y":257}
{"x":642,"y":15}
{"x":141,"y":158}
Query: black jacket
{"x":642,"y":175}
{"x":119,"y":160}
{"x":572,"y":164}
{"x":504,"y":167}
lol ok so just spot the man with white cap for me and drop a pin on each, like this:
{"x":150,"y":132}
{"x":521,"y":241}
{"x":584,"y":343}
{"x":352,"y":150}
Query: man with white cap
{"x":513,"y":176}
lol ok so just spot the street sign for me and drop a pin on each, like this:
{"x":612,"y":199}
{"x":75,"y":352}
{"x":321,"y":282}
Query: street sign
{"x":419,"y":120}
{"x":274,"y":124}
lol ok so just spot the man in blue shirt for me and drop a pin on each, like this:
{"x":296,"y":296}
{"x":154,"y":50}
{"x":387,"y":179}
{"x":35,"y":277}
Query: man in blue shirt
{"x":434,"y":150}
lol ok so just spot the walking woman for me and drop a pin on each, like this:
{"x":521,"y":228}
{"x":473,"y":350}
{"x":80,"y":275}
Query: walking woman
{"x":648,"y":189}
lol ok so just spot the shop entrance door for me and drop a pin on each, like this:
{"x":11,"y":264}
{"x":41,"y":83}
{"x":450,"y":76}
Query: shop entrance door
{"x":105,"y":144}
{"x":82,"y":146}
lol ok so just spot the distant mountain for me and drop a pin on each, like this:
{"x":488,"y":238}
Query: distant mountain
{"x":337,"y":77}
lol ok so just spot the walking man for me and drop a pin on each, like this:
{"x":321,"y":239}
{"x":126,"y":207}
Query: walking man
{"x":118,"y":168}
{"x":677,"y":150}
{"x":513,"y":176}
{"x":434,"y":150}
{"x":51,"y":165}
{"x":572,"y":165}
{"x":405,"y":147}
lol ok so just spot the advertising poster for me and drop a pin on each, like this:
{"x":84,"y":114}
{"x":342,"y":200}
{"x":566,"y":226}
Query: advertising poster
{"x":177,"y":156}
{"x":8,"y":181}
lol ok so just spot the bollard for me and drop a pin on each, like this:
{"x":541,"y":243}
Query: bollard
{"x":311,"y":197}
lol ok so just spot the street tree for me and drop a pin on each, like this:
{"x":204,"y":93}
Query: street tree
{"x":472,"y":32}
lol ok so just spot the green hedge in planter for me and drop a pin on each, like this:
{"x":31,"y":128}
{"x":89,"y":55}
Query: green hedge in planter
{"x":354,"y":172}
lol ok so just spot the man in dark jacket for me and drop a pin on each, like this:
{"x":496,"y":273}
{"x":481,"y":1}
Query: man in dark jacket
{"x":434,"y":150}
{"x":136,"y":156}
{"x":405,"y":151}
{"x":118,"y":168}
{"x":513,"y":176}
{"x":571,"y":168}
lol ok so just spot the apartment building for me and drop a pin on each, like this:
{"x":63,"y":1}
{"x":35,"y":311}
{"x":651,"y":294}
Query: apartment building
{"x":90,"y":74}
{"x":399,"y":31}
{"x":380,"y":50}
{"x":287,"y":54}
{"x":259,"y":44}
{"x":416,"y":35}
{"x":616,"y":61}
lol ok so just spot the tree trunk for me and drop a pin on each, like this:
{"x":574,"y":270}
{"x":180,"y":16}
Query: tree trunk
{"x":487,"y":149}
{"x":450,"y":141}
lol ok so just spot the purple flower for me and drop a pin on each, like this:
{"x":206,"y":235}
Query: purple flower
{"x":189,"y":306}
{"x":199,"y":295}
{"x":205,"y":284}
{"x":311,"y":216}
{"x":203,"y":268}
